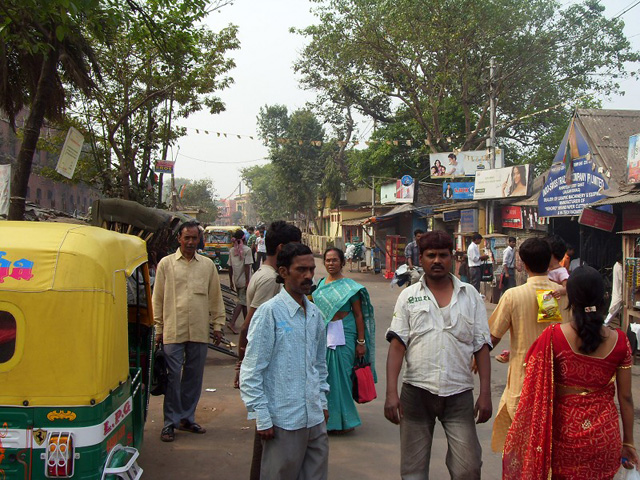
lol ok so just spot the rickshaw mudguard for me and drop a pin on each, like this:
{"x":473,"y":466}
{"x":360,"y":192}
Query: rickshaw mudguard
{"x":26,"y":433}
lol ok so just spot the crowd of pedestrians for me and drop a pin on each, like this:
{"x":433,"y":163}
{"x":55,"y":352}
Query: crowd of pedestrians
{"x":301,"y":338}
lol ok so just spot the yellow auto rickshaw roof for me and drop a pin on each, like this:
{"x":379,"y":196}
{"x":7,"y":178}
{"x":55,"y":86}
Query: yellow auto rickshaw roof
{"x":222,"y":228}
{"x":41,"y":256}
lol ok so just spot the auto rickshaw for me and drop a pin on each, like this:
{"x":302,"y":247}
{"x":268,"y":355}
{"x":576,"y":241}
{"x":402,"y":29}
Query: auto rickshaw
{"x":75,"y":354}
{"x":218,"y":242}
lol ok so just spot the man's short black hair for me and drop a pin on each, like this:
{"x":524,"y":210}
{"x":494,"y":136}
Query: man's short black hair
{"x":452,"y":155}
{"x":536,"y":254}
{"x":281,"y":232}
{"x":288,"y":253}
{"x":417,"y":231}
{"x":189,"y":224}
{"x":512,"y":239}
{"x":435,"y":240}
{"x":251,"y":229}
{"x":476,"y":236}
{"x":558,"y":246}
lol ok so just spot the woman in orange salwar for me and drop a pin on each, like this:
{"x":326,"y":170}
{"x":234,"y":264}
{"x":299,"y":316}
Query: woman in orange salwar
{"x":566,"y":425}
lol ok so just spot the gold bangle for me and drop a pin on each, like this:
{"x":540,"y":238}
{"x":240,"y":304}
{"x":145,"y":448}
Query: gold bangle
{"x":630,"y":445}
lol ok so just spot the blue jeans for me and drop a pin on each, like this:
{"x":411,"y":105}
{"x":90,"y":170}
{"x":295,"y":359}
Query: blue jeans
{"x":421,"y":409}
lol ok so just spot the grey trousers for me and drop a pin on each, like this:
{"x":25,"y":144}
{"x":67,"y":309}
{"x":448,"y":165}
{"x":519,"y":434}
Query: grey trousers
{"x":421,"y":408}
{"x":510,"y":282}
{"x":185,"y":367}
{"x":296,"y":454}
{"x":474,"y":277}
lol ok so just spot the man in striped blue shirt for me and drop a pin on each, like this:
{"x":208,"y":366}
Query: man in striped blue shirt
{"x":283,"y":378}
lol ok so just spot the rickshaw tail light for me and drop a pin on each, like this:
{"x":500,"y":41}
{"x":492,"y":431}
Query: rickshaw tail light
{"x":60,"y":455}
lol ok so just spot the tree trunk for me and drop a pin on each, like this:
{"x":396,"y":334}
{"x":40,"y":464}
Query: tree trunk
{"x":35,"y":119}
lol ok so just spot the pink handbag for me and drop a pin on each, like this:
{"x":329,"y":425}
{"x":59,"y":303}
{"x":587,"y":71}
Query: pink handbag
{"x":364,"y":388}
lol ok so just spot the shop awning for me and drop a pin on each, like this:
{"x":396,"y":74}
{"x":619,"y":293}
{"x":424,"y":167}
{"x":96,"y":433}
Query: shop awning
{"x":633,"y":197}
{"x":404,"y":208}
{"x":354,"y":222}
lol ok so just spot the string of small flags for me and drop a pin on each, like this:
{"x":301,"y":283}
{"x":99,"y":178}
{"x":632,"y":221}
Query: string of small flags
{"x":409,"y":143}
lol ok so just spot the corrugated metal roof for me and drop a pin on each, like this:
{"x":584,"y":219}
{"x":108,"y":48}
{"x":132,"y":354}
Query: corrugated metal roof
{"x":628,"y":198}
{"x":608,"y":132}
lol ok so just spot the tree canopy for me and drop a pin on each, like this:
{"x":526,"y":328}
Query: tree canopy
{"x":428,"y":61}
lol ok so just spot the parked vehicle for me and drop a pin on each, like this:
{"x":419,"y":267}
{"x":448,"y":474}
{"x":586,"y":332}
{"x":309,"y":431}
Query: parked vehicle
{"x":76,"y":351}
{"x":217,"y":243}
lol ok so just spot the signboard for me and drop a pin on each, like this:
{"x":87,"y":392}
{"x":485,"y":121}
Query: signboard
{"x":457,"y":190}
{"x":70,"y":153}
{"x":469,"y":220}
{"x":406,"y":180}
{"x":512,"y":217}
{"x":558,"y":199}
{"x":5,"y":183}
{"x":633,"y":159}
{"x":397,"y":193}
{"x":451,"y":215}
{"x":463,"y":164}
{"x":502,"y":183}
{"x":163,"y":166}
{"x":597,"y":219}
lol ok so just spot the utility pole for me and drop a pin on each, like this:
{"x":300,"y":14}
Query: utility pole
{"x":174,"y":194}
{"x":492,"y":140}
{"x":373,"y":196}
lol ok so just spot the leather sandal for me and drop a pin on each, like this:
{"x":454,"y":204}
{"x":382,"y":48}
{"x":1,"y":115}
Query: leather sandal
{"x":192,"y":427}
{"x":167,"y":434}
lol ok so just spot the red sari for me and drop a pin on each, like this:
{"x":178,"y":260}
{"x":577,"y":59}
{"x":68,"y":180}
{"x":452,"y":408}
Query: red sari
{"x":566,"y":436}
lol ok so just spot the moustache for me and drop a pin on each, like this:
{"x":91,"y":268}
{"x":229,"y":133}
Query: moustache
{"x":307,"y":282}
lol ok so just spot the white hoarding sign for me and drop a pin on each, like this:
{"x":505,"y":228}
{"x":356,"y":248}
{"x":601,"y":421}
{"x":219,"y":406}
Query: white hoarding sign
{"x":502,"y":183}
{"x":463,"y":164}
{"x":70,"y":153}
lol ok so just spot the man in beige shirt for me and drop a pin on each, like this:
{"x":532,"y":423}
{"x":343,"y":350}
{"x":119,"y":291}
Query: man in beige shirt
{"x":517,"y":313}
{"x":186,"y":299}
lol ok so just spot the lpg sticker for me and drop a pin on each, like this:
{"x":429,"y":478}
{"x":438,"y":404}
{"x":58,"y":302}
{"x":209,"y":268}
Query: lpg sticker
{"x":117,"y":417}
{"x":60,"y":415}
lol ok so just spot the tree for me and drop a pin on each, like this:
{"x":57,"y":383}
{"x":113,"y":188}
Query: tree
{"x":298,"y":159}
{"x":195,"y":194}
{"x":146,"y":84}
{"x":43,"y":45}
{"x":430,"y":58}
{"x":267,"y":192}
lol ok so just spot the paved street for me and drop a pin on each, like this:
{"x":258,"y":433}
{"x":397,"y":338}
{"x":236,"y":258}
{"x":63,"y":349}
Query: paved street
{"x":370,"y":452}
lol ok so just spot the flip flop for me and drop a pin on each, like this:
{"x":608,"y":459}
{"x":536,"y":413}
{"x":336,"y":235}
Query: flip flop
{"x":167,"y":434}
{"x":191,"y":427}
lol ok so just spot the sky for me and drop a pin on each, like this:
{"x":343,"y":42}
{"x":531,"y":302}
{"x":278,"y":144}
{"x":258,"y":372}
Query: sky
{"x":264,"y":76}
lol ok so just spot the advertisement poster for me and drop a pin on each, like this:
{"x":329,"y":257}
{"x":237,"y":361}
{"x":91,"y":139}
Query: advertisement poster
{"x":397,"y":192}
{"x":502,"y":183}
{"x":163,"y":166}
{"x":457,"y":190}
{"x":70,"y":153}
{"x":558,"y":199}
{"x":5,"y":182}
{"x":633,"y":159}
{"x":462,"y":164}
{"x":512,"y":217}
{"x":469,"y":220}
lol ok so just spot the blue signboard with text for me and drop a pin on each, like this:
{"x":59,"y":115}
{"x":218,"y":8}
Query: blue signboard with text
{"x":457,"y":190}
{"x":559,"y":199}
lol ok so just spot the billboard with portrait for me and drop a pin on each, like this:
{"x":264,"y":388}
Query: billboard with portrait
{"x":397,"y":192}
{"x":462,"y":164}
{"x":502,"y":183}
{"x":633,"y":159}
{"x":457,"y":190}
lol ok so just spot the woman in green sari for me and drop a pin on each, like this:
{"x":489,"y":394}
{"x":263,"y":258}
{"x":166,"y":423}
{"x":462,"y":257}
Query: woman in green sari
{"x":348,"y":314}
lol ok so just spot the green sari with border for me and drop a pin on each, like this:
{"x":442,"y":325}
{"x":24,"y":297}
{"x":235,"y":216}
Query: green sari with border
{"x":331,"y":298}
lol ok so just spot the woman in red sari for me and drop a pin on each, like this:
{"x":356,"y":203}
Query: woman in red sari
{"x":566,"y":425}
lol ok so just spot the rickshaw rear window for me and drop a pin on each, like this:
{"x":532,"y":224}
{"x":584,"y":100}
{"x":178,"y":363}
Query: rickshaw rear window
{"x":8,"y":328}
{"x":218,"y":237}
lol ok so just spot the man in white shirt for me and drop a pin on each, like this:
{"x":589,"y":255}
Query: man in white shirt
{"x":439,"y":325}
{"x":475,"y":260}
{"x":509,"y":265}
